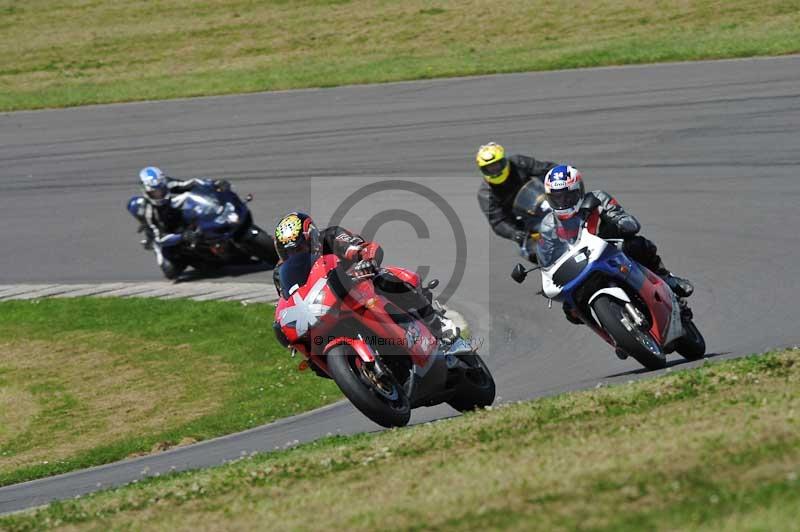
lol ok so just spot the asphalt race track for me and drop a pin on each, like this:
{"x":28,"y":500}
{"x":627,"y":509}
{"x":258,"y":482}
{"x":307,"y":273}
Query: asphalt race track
{"x":705,"y":154}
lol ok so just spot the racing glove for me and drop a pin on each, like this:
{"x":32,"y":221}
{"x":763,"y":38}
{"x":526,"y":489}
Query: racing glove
{"x":372,"y":252}
{"x":364,"y":269}
{"x":365,"y":251}
{"x":519,"y":236}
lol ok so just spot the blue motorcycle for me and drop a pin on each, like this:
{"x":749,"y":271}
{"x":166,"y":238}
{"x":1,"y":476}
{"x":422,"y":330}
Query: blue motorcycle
{"x":626,"y":304}
{"x":220,"y":228}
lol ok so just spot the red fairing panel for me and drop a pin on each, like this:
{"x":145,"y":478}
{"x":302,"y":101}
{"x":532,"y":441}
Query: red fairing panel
{"x":658,"y":298}
{"x":359,"y":346}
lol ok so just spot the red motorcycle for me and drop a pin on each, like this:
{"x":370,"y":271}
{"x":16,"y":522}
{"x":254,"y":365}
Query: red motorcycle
{"x":384,"y":359}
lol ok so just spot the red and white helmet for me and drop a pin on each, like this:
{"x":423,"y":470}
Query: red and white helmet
{"x":563,"y":187}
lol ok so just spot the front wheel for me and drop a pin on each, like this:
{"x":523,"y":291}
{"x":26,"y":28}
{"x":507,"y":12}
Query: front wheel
{"x":379,"y":397}
{"x":634,"y":341}
{"x":476,"y":389}
{"x":259,"y":244}
{"x":692,"y":345}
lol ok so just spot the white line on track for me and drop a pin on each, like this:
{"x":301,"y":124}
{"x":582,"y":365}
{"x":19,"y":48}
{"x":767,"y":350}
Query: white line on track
{"x":197,"y":291}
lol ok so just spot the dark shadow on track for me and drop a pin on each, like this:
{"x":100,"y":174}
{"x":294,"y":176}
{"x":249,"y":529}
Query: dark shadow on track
{"x":670,"y":364}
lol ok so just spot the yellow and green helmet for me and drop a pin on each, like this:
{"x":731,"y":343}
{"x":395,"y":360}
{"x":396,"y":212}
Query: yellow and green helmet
{"x":492,"y":162}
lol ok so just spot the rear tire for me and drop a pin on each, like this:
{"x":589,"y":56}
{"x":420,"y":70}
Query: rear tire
{"x":172,"y":269}
{"x":476,"y":389}
{"x":391,"y":409}
{"x":637,"y":343}
{"x":692,"y":345}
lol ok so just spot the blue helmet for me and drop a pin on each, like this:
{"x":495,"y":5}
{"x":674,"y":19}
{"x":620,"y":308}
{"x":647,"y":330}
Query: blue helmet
{"x":154,"y":185}
{"x":563,"y":188}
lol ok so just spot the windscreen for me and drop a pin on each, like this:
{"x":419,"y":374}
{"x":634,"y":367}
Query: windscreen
{"x":201,"y":206}
{"x":530,"y":205}
{"x":549,"y":251}
{"x":556,"y":241}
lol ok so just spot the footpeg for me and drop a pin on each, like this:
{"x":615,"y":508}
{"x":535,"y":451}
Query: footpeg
{"x":681,"y":287}
{"x":622,"y":355}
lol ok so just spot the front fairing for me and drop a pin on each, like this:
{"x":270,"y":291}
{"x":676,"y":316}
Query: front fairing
{"x":305,"y":306}
{"x":218,"y":215}
{"x":390,"y":323}
{"x":572,"y":266}
{"x":339,"y":299}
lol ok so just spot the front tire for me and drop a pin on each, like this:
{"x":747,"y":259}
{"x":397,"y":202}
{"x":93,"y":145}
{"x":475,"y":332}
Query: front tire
{"x":476,"y":389}
{"x":637,"y":343}
{"x":260,"y":245}
{"x":692,"y":345}
{"x":381,"y":399}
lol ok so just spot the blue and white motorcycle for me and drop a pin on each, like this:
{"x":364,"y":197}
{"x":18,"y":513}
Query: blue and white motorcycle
{"x":222,"y":229}
{"x":626,"y":304}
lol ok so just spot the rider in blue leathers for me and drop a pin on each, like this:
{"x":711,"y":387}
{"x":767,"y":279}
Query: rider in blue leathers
{"x":161,"y":220}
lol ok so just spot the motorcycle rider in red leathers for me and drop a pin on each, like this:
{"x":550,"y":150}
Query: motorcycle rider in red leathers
{"x":296,"y":233}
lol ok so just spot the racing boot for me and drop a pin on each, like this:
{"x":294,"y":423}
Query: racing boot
{"x":682,"y":287}
{"x":646,"y":253}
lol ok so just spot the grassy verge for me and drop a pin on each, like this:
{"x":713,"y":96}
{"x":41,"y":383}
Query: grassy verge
{"x":57,"y":53}
{"x":716,"y":448}
{"x":89,"y":381}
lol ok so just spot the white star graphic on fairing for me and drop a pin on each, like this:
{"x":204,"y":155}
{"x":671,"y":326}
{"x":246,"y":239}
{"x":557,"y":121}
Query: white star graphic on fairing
{"x":305,"y":313}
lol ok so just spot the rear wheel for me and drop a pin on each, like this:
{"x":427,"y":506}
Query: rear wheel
{"x":476,"y":389}
{"x":691,"y":345}
{"x":635,"y":342}
{"x":379,"y":397}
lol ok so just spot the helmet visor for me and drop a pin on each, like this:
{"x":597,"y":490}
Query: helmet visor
{"x":564,"y":199}
{"x":494,"y":169}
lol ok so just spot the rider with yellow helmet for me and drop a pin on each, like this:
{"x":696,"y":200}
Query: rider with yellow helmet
{"x":503,"y":176}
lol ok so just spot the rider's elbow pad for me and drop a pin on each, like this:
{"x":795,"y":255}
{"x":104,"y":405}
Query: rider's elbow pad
{"x":628,"y":225}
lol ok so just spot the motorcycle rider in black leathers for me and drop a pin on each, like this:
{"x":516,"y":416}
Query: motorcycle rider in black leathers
{"x":161,"y":221}
{"x":296,"y":233}
{"x":503,"y":177}
{"x":604,"y":217}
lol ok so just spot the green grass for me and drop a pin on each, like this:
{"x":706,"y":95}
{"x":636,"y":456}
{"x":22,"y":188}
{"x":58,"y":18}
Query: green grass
{"x":90,"y":381}
{"x":713,"y":448}
{"x":56,"y":53}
